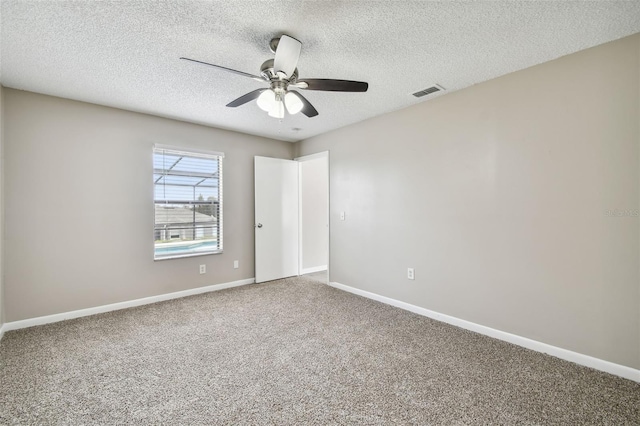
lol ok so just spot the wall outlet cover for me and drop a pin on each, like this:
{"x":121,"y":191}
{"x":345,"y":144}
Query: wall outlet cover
{"x":411,"y":274}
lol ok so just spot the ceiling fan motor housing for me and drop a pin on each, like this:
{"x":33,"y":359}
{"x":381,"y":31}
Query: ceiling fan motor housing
{"x":268,"y":72}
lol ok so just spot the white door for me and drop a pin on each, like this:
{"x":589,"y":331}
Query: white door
{"x":276,"y":216}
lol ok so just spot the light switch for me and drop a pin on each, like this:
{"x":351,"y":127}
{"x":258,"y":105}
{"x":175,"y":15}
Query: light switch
{"x":341,"y":215}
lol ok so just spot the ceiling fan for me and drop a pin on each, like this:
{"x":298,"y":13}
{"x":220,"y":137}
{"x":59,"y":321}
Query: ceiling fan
{"x":282,"y":75}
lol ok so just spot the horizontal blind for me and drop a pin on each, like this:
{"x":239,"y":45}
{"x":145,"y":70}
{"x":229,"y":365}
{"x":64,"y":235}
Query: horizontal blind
{"x":188,"y":202}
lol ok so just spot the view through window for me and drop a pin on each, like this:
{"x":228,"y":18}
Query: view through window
{"x":188,"y":202}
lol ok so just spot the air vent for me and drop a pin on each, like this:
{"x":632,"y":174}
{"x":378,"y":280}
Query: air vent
{"x":429,"y":90}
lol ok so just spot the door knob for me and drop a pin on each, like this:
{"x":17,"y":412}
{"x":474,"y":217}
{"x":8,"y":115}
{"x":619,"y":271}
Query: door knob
{"x":259,"y":225}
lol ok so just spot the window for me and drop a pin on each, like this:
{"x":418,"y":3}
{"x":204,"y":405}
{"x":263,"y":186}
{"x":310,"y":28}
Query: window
{"x":188,"y":202}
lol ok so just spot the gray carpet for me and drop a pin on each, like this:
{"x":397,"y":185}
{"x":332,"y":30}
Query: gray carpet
{"x":294,"y":352}
{"x":318,"y":276}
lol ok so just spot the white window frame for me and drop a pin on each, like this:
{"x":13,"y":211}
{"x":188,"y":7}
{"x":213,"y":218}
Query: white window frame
{"x":188,"y":152}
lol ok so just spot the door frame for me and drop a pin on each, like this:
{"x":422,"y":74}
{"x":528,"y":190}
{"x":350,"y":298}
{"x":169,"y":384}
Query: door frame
{"x":301,"y":159}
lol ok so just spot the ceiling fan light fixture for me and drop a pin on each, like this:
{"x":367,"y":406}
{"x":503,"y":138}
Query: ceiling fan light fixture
{"x":293,"y":103}
{"x":277,"y":110}
{"x":267,"y":100}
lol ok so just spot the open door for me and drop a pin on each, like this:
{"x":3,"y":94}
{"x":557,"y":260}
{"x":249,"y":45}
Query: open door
{"x":276,"y":218}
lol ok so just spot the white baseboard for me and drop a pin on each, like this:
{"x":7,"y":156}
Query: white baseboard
{"x":15,"y":325}
{"x":578,"y":358}
{"x":1,"y":331}
{"x":313,"y":269}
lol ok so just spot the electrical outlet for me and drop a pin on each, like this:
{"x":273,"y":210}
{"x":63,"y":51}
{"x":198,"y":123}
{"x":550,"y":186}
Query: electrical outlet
{"x":411,"y":274}
{"x":203,"y":269}
{"x":236,"y":264}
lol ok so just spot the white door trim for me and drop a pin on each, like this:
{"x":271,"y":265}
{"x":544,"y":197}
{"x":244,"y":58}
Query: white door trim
{"x":310,"y":157}
{"x":316,"y":156}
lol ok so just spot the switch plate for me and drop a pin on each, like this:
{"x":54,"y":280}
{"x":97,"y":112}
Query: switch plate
{"x":411,"y":274}
{"x":236,"y":264}
{"x":341,"y":215}
{"x":203,"y":269}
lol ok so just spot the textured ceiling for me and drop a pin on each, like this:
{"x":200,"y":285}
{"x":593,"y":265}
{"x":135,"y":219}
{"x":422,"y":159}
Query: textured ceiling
{"x":125,"y":53}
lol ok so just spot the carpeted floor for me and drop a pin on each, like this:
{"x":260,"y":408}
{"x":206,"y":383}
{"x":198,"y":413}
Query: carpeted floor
{"x":291,"y":352}
{"x":318,"y":276}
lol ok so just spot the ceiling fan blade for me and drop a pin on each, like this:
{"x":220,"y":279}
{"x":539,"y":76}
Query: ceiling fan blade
{"x":329,"y":85}
{"x":246,"y":98}
{"x":307,"y":109}
{"x":255,"y":77}
{"x":287,"y":54}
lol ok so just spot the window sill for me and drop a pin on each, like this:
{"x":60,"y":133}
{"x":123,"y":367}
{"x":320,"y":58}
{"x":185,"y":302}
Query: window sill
{"x":179,"y":256}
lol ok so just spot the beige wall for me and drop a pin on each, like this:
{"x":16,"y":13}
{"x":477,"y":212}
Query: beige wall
{"x":2,"y":319}
{"x":79,"y":205}
{"x":498,"y":195}
{"x":315,"y":214}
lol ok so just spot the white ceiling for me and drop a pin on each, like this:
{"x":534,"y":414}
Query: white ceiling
{"x":125,"y":53}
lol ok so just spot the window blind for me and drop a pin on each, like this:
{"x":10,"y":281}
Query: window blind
{"x":188,"y":202}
